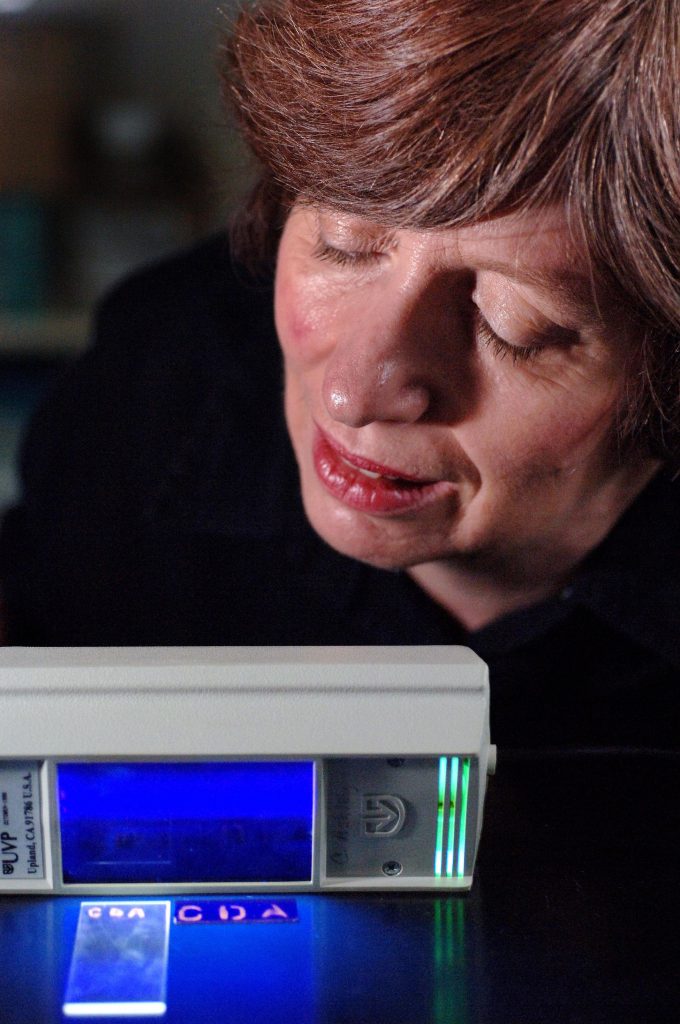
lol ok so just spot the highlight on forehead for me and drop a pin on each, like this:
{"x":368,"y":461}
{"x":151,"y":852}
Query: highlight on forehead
{"x":533,"y":248}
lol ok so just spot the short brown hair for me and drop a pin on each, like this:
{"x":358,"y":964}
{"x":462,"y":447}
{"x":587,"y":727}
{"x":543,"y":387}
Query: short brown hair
{"x":437,"y":113}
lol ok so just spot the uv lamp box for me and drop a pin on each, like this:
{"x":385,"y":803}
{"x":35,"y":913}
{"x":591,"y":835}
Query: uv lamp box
{"x":241,"y":768}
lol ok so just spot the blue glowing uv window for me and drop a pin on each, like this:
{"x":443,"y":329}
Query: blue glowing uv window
{"x":235,"y":821}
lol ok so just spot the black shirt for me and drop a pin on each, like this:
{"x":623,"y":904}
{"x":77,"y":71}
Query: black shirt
{"x":161,"y":505}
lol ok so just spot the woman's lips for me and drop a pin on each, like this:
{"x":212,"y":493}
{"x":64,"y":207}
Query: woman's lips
{"x":369,"y":486}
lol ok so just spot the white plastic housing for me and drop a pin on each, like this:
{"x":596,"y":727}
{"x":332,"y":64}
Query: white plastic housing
{"x":220,"y":703}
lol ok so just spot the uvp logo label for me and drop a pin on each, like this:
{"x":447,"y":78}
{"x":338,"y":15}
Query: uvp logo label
{"x":9,"y":852}
{"x":382,"y":814}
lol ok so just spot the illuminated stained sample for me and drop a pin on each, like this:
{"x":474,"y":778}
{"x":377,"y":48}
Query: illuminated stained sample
{"x":120,"y":960}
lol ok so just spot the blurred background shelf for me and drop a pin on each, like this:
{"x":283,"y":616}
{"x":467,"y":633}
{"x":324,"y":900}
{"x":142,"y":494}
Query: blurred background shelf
{"x":114,"y":152}
{"x":53,"y":334}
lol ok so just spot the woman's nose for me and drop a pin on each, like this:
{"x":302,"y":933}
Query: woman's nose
{"x":357,"y":394}
{"x":381,"y":369}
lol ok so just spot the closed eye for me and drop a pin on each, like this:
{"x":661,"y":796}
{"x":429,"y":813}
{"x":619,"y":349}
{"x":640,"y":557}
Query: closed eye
{"x":345,"y":257}
{"x":502,"y":348}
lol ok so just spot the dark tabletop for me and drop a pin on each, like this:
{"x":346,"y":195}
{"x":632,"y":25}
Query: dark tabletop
{"x":573,"y":918}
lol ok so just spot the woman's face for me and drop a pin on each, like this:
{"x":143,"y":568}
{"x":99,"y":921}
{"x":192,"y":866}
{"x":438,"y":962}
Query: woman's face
{"x":450,"y":393}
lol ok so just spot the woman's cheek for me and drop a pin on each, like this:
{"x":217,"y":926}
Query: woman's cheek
{"x":301,"y":321}
{"x":544,"y":431}
{"x":292,"y":323}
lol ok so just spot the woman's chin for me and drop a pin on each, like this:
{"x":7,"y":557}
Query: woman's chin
{"x":384,"y":543}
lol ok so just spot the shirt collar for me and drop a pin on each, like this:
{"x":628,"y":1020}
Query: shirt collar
{"x":631,"y":580}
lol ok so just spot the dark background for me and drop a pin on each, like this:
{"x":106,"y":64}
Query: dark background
{"x":114,"y":150}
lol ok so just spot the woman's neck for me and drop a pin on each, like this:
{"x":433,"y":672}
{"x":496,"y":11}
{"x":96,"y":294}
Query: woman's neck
{"x":476,"y":599}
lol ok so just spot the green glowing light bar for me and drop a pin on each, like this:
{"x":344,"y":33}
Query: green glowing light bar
{"x":439,"y":845}
{"x":453,"y":800}
{"x":463,"y":816}
{"x":453,"y":795}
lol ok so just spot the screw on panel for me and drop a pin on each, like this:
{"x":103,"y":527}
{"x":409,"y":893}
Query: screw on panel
{"x":392,"y":867}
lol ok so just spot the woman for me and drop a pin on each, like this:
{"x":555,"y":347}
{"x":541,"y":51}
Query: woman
{"x":473,"y":211}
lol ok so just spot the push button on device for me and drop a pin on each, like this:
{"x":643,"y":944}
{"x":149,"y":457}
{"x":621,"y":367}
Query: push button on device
{"x":382,"y":815}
